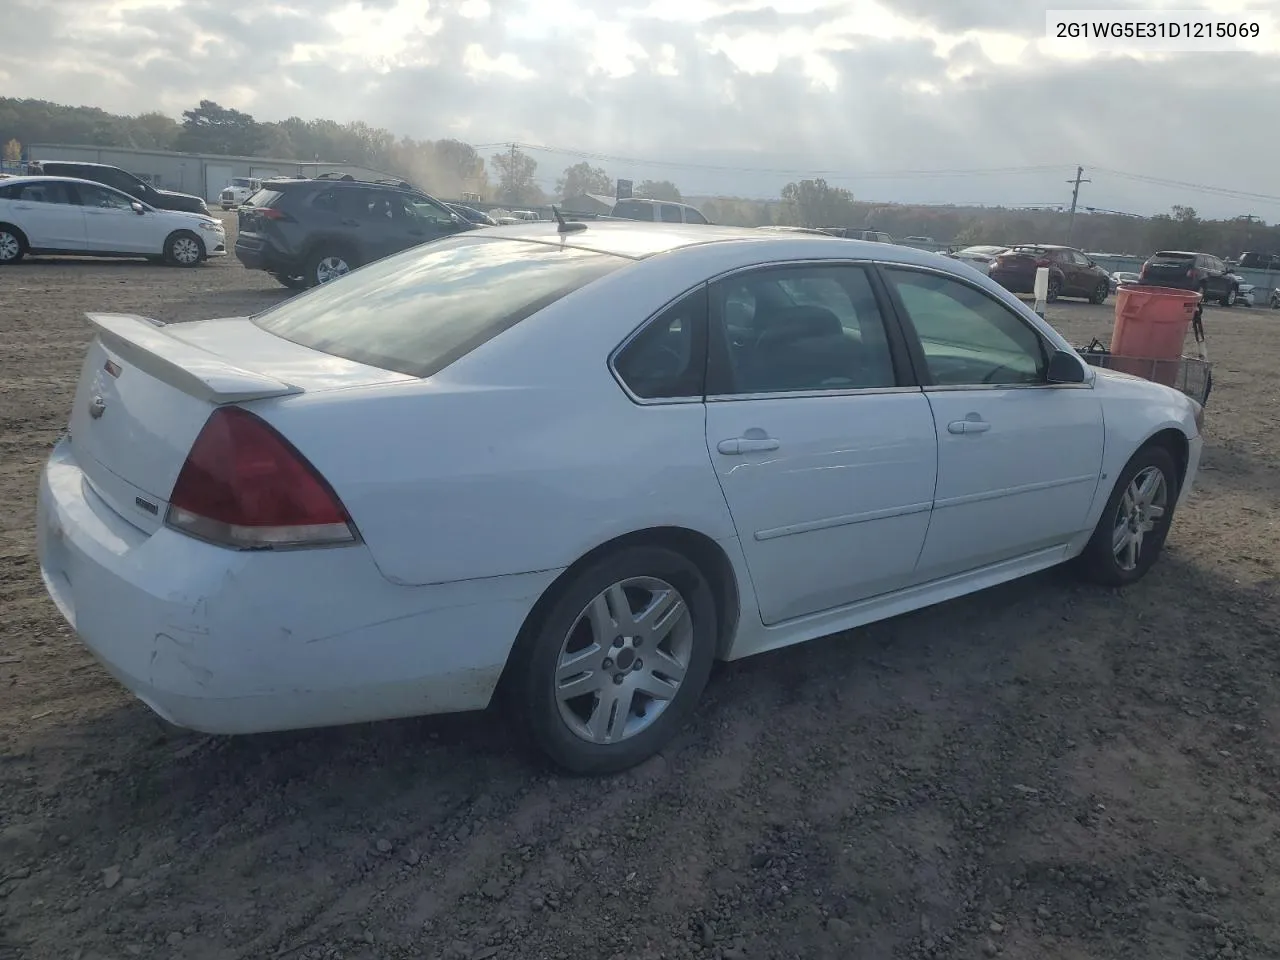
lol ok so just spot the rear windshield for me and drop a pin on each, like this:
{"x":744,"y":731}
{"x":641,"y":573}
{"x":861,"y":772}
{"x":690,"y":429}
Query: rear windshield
{"x":1172,"y":257}
{"x":263,"y":198}
{"x":418,"y":311}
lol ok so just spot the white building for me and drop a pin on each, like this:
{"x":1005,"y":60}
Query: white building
{"x":202,"y":174}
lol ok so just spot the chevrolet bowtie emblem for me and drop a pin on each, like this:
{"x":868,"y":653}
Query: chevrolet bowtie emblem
{"x":97,"y":407}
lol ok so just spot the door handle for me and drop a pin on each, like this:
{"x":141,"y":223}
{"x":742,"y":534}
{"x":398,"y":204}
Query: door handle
{"x":968,"y":426}
{"x":740,"y":445}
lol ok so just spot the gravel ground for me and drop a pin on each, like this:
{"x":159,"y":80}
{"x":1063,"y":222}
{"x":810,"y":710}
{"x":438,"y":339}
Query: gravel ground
{"x":1042,"y":770}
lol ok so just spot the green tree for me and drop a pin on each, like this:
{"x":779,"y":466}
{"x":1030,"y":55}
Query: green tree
{"x":583,"y":178}
{"x":814,"y":203}
{"x":515,"y":170}
{"x":213,"y":128}
{"x":658,"y":190}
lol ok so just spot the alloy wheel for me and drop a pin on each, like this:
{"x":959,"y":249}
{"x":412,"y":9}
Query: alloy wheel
{"x":1143,"y":505}
{"x":624,"y":659}
{"x":186,"y":250}
{"x":330,"y":268}
{"x":10,"y":246}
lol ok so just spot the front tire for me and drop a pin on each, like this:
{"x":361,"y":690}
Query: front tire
{"x":1135,"y":522}
{"x":616,"y":665}
{"x":1100,"y":293}
{"x":1054,"y":291}
{"x":184,"y":249}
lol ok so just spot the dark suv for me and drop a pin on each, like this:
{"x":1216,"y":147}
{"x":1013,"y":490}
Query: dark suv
{"x":307,"y":232}
{"x":121,"y":180}
{"x":1071,"y":273}
{"x":1192,"y":271}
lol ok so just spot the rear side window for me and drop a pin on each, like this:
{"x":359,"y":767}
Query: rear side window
{"x":264,"y":198}
{"x":670,"y":213}
{"x":631,"y":210}
{"x":693,"y":216}
{"x":418,"y":311}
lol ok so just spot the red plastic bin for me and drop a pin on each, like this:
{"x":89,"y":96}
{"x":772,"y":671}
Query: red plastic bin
{"x":1150,"y":329}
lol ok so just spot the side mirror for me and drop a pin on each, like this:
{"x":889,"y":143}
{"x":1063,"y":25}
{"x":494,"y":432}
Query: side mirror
{"x":1065,"y":368}
{"x":138,"y":208}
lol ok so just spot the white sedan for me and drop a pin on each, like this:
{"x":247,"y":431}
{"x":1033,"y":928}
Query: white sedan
{"x":63,"y":215}
{"x":573,"y":466}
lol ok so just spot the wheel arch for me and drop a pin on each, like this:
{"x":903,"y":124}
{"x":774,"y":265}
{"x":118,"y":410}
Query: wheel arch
{"x":707,"y":555}
{"x":1179,"y":447}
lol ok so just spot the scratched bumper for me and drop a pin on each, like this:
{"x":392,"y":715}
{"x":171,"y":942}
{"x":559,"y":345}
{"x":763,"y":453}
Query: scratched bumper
{"x":246,"y":642}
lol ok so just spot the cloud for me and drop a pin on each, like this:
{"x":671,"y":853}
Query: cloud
{"x":721,"y":96}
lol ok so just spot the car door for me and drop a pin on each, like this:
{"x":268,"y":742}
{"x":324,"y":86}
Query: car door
{"x":112,"y":225}
{"x":1019,"y":459}
{"x":824,"y":450}
{"x":47,"y":212}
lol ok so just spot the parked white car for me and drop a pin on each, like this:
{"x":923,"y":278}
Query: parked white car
{"x":238,"y":191}
{"x":575,"y":465}
{"x":62,"y":215}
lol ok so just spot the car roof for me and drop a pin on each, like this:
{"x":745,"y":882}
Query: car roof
{"x":641,"y":239}
{"x":1174,"y":253}
{"x":47,"y":177}
{"x":79,"y":163}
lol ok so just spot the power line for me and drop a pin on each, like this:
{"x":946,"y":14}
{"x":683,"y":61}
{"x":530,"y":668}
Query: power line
{"x":1186,"y":185}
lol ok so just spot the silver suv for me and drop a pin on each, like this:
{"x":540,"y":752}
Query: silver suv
{"x":662,"y":211}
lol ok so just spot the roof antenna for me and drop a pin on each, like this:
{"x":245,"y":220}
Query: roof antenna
{"x":567,"y":226}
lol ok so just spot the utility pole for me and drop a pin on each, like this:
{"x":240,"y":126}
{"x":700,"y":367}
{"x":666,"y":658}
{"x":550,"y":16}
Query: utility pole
{"x":1075,"y":195}
{"x":511,"y":172}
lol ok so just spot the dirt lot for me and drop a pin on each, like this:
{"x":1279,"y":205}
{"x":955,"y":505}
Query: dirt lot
{"x":1043,"y":770}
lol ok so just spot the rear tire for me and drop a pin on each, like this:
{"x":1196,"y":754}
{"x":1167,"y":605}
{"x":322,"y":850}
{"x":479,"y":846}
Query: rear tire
{"x":13,"y":244}
{"x":328,"y":263}
{"x":1129,"y":536}
{"x":184,"y":249}
{"x":1229,"y":298}
{"x":582,"y":642}
{"x":1100,"y":292}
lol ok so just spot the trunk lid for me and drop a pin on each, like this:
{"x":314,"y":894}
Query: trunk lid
{"x":146,"y":390}
{"x":1168,"y":271}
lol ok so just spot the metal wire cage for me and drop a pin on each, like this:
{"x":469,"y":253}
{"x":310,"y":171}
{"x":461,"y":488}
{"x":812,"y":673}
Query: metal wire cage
{"x":1192,"y":375}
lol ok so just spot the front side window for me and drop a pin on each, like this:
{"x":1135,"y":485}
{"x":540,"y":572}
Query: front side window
{"x":968,"y":339}
{"x":670,"y":213}
{"x":427,"y":209}
{"x":418,"y":311}
{"x":668,"y":358}
{"x":693,"y":216}
{"x":103,"y":198}
{"x":798,"y":329}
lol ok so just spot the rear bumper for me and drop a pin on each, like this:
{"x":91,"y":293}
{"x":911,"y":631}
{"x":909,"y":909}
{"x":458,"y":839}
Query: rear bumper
{"x":244,"y":642}
{"x":1015,"y":281}
{"x":256,"y":255}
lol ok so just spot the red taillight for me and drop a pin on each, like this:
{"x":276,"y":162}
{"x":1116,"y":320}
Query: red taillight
{"x":245,"y":486}
{"x":271,"y":213}
{"x":1043,"y":262}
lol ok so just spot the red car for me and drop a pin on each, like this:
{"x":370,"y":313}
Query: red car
{"x":1071,"y":273}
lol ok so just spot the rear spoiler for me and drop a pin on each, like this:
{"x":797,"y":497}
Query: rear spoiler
{"x":143,"y":343}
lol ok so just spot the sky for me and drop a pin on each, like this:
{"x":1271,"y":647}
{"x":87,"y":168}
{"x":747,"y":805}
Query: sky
{"x":933,"y":101}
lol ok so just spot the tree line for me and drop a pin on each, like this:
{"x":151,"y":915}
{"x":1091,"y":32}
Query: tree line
{"x":451,"y":168}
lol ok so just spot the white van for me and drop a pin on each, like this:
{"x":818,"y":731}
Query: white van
{"x":663,"y":211}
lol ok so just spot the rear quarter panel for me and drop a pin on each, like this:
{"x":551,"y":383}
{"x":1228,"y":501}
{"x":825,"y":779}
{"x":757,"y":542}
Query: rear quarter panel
{"x":522,"y":456}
